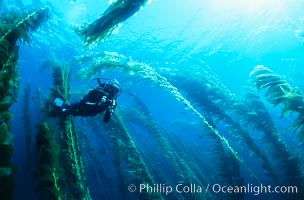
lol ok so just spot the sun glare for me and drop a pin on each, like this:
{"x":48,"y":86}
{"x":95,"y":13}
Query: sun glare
{"x":246,"y":7}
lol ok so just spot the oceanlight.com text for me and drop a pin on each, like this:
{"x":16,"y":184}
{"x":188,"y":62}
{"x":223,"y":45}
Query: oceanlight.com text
{"x":254,"y":189}
{"x":212,"y":188}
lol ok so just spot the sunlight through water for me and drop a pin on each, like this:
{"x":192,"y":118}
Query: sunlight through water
{"x":248,"y":8}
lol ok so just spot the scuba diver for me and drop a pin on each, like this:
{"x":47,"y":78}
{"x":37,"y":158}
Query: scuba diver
{"x":101,"y":98}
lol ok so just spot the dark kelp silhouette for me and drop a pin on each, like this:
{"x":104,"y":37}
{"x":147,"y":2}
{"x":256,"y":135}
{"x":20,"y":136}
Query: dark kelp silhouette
{"x":27,"y":126}
{"x":125,"y":150}
{"x":14,"y":27}
{"x":116,"y":13}
{"x":228,"y":169}
{"x":47,"y":171}
{"x":180,"y":164}
{"x":95,"y":169}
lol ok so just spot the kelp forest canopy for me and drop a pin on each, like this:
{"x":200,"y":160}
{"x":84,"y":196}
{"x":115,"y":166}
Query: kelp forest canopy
{"x":178,"y":132}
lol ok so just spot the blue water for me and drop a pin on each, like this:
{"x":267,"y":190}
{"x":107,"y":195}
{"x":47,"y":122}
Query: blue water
{"x":226,"y":38}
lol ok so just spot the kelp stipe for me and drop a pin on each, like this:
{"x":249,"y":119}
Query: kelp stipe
{"x":74,"y":181}
{"x":289,"y":163}
{"x":271,"y":136}
{"x":140,"y":115}
{"x":116,"y":13}
{"x":253,"y":114}
{"x":164,"y":83}
{"x":14,"y":27}
{"x":94,"y":167}
{"x":213,"y":98}
{"x":46,"y":174}
{"x":178,"y":159}
{"x":72,"y":162}
{"x":279,"y":91}
{"x":192,"y":167}
{"x":125,"y":150}
{"x":229,"y":171}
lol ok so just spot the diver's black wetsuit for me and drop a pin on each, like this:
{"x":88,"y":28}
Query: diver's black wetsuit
{"x":91,"y":104}
{"x":100,"y":99}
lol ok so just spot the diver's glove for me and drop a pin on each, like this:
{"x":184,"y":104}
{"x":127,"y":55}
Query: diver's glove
{"x":107,"y":101}
{"x":104,"y":99}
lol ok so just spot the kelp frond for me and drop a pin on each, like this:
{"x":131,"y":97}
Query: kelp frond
{"x":279,"y":91}
{"x":48,"y":158}
{"x":288,"y":163}
{"x":4,"y":53}
{"x":29,"y":23}
{"x":61,"y":76}
{"x":137,"y":168}
{"x":111,"y":19}
{"x":276,"y":87}
{"x":298,"y":124}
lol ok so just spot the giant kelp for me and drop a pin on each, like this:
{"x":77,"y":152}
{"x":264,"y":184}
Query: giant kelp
{"x":260,"y":119}
{"x":141,"y":116}
{"x":252,"y":113}
{"x":181,"y":165}
{"x":228,"y":170}
{"x":13,"y":30}
{"x":146,"y":72}
{"x":125,"y":150}
{"x":71,"y":160}
{"x":117,"y":12}
{"x":46,"y":174}
{"x":279,"y":91}
{"x":94,"y":168}
{"x":193,"y":168}
{"x":97,"y":63}
{"x":209,"y":96}
{"x":13,"y":27}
